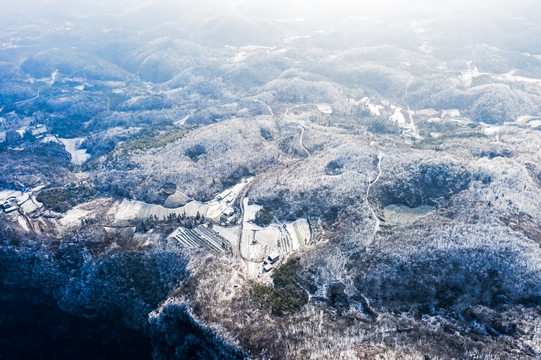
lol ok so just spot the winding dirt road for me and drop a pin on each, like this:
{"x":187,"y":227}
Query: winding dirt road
{"x":377,"y":225}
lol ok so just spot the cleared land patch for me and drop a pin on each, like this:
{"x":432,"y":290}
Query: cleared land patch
{"x":398,"y":214}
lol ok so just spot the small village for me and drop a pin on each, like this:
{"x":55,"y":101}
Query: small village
{"x":230,"y":228}
{"x":12,"y":137}
{"x":226,"y":224}
{"x":20,"y":202}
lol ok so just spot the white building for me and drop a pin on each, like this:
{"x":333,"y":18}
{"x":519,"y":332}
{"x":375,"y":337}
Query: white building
{"x":38,"y":131}
{"x":9,"y":206}
{"x":273,"y":257}
{"x":267,"y":267}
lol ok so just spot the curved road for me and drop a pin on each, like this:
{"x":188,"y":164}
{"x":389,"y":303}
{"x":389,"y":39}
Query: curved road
{"x":376,"y":227}
{"x":242,"y":210}
{"x":301,"y":126}
{"x":267,"y":105}
{"x":28,"y":99}
{"x":300,"y":142}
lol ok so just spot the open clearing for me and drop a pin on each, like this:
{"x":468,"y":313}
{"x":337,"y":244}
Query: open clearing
{"x":398,"y":214}
{"x":78,"y":156}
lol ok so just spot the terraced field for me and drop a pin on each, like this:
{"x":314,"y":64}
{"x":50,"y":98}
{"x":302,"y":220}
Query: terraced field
{"x":201,"y":237}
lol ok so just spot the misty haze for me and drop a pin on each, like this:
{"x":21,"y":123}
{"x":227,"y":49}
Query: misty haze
{"x":270,"y":179}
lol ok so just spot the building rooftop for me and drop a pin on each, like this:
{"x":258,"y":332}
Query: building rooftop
{"x":267,"y":267}
{"x":38,"y":130}
{"x":273,"y":256}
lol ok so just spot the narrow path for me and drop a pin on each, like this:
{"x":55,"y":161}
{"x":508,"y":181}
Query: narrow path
{"x":301,"y":144}
{"x":410,"y":113}
{"x":522,"y":201}
{"x":28,"y":222}
{"x":242,"y":212}
{"x":301,"y":126}
{"x":28,"y":99}
{"x":377,"y":225}
{"x":348,"y":281}
{"x":267,"y":105}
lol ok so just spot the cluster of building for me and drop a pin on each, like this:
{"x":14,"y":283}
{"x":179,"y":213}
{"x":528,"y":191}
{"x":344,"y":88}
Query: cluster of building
{"x":11,"y":200}
{"x":38,"y":131}
{"x":227,"y":196}
{"x":270,"y":261}
{"x":14,"y":136}
{"x":228,"y":216}
{"x":221,"y":207}
{"x":10,"y":205}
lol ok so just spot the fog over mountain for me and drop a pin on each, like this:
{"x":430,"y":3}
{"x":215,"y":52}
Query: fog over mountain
{"x":270,"y":180}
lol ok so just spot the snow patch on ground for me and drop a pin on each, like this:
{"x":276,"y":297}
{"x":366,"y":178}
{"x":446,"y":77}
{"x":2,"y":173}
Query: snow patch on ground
{"x":6,"y":194}
{"x":21,"y":220}
{"x":325,"y":108}
{"x":510,"y":76}
{"x":78,"y":156}
{"x":250,"y":210}
{"x":398,"y":117}
{"x":231,"y":234}
{"x":528,"y":120}
{"x":268,"y":236}
{"x":182,"y":121}
{"x":535,"y":124}
{"x":239,"y":57}
{"x":137,"y":210}
{"x":53,"y":77}
{"x":408,"y":126}
{"x":450,"y":113}
{"x":30,"y":206}
{"x":73,"y":217}
{"x":472,"y":72}
{"x":427,"y":112}
{"x":50,"y":138}
{"x":492,"y":130}
{"x":299,"y":231}
{"x":373,"y":108}
{"x":398,"y":214}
